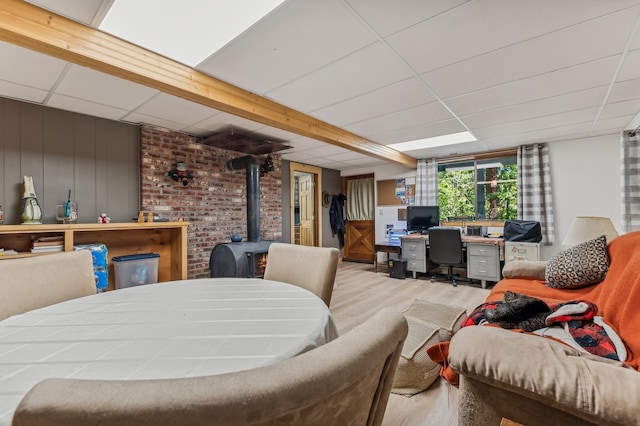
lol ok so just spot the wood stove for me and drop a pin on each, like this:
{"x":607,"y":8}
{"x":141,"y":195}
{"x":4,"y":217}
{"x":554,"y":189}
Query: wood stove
{"x":244,"y":259}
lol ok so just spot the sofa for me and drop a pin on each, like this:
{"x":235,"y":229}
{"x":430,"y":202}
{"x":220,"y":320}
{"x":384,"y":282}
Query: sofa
{"x":533,"y":380}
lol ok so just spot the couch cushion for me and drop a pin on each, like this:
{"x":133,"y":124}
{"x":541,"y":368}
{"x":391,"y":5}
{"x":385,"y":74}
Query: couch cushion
{"x":584,"y":264}
{"x":525,"y":269}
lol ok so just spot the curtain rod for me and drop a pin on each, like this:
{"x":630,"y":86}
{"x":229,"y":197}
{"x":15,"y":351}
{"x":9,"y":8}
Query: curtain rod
{"x":479,"y":155}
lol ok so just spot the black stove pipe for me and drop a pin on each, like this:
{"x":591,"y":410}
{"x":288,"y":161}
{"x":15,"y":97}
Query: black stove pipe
{"x":253,"y":193}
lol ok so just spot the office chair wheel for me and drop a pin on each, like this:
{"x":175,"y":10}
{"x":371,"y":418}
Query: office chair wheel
{"x":433,"y":279}
{"x":455,"y":283}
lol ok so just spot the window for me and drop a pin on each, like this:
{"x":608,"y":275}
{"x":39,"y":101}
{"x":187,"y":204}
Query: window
{"x":478,"y":188}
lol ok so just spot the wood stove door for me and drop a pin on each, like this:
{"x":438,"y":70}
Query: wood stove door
{"x":307,"y":217}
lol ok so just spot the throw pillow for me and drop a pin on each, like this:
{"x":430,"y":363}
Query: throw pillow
{"x":582,"y":265}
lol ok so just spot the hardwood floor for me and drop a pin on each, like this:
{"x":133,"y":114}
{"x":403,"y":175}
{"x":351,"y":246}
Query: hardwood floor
{"x":360,"y":292}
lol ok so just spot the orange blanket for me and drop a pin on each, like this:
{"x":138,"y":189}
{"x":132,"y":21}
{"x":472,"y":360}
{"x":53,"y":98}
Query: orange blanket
{"x":617,"y":296}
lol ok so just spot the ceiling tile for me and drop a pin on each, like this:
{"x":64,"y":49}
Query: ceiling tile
{"x":538,"y":108}
{"x":389,"y":99}
{"x":419,"y":132}
{"x":420,"y":115}
{"x":387,"y":17}
{"x":325,"y":150}
{"x":533,"y":57}
{"x":615,"y":124}
{"x":294,"y":40}
{"x":85,"y":107}
{"x":581,"y":77}
{"x":625,"y":90}
{"x":84,"y":83}
{"x":85,"y":11}
{"x":138,"y":118}
{"x":175,"y":109}
{"x":220,"y":121}
{"x":620,"y":109}
{"x":550,"y":121}
{"x":479,"y":27}
{"x":363,"y":71}
{"x":28,"y":68}
{"x":305,"y":143}
{"x":631,"y":67}
{"x":20,"y":92}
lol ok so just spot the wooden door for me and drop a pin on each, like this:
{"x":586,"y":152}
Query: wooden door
{"x":307,"y":218}
{"x":359,"y":241}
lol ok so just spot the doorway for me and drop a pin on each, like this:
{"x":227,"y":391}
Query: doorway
{"x":306,"y":218}
{"x":359,"y":241}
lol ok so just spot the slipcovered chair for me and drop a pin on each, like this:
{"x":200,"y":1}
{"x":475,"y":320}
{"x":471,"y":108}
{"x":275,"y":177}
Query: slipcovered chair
{"x":39,"y":281}
{"x":312,"y":268}
{"x":344,"y":382}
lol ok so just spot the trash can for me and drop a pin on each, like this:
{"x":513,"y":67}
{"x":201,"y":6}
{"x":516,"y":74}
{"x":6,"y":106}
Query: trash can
{"x":135,"y":269}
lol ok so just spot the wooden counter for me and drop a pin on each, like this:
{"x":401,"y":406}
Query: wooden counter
{"x":168,"y":239}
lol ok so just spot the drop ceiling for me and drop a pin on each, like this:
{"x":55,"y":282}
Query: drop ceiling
{"x":511,"y":72}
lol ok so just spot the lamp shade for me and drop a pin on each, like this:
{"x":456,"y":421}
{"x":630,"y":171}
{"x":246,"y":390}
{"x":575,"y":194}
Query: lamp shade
{"x":585,"y":228}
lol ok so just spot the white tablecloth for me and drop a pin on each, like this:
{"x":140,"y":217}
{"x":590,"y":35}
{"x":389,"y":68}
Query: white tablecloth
{"x":177,"y":329}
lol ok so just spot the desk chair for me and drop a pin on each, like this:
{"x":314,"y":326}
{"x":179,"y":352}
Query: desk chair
{"x":446,"y":249}
{"x":344,"y":382}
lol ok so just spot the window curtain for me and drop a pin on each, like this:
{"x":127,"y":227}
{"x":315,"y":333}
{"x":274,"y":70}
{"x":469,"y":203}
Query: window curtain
{"x":534,"y":188}
{"x":427,"y":183}
{"x":360,"y":203}
{"x":630,"y":181}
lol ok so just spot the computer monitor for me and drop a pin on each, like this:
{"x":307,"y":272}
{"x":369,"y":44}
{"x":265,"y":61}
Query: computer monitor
{"x":421,"y":218}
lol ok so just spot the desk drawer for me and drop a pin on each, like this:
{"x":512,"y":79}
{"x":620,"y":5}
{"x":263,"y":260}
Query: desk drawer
{"x":416,"y":265}
{"x":488,"y":250}
{"x":483,"y":268}
{"x":414,"y":250}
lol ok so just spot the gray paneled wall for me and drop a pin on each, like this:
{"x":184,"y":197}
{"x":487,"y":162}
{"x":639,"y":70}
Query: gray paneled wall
{"x":97,"y":159}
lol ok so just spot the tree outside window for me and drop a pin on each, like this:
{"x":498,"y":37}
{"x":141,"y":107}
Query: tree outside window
{"x":481,"y":189}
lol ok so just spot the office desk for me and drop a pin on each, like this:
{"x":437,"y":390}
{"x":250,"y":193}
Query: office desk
{"x":483,"y":256}
{"x":385,"y":247}
{"x":176,"y":329}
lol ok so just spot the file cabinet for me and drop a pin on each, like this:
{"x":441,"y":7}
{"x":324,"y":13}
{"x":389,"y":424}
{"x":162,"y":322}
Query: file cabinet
{"x":483,"y":262}
{"x":414,"y":251}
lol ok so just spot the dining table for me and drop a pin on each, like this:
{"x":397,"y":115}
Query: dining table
{"x":174,"y":329}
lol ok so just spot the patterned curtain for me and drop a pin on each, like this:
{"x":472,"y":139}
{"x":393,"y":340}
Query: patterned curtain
{"x":630,"y":181}
{"x":427,"y":183}
{"x":534,"y":188}
{"x":360,"y":202}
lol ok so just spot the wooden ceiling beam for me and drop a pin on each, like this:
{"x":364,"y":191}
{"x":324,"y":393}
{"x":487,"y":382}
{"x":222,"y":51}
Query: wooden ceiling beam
{"x":34,"y":28}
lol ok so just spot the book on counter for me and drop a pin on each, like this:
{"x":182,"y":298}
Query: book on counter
{"x":52,"y":241}
{"x":47,"y":249}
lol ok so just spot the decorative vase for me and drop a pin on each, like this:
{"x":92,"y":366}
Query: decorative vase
{"x":31,"y":211}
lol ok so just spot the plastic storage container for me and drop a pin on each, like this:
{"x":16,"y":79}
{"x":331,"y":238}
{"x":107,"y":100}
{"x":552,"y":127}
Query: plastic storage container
{"x":135,"y":269}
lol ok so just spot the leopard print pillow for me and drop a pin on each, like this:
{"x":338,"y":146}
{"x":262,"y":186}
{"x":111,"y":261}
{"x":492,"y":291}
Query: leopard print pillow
{"x":582,"y":265}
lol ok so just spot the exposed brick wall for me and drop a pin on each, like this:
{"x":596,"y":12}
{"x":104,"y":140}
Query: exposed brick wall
{"x":214,"y":202}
